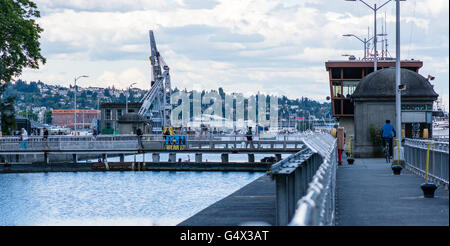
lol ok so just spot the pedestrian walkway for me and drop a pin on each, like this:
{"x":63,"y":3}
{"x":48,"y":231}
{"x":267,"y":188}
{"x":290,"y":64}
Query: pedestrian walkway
{"x":254,"y":203}
{"x":368,"y":194}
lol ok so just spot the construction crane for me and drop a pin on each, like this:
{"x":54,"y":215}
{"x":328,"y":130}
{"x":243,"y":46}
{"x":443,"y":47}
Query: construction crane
{"x":156,"y":102}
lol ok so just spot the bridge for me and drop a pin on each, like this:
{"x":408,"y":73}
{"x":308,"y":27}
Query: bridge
{"x":90,"y":147}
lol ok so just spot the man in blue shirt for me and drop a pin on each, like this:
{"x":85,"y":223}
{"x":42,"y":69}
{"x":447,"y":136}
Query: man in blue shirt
{"x":388,"y":133}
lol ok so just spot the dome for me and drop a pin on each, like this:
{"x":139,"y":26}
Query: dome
{"x":381,"y":84}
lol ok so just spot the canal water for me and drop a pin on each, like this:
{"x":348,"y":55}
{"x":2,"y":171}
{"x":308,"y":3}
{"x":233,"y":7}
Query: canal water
{"x":113,"y":198}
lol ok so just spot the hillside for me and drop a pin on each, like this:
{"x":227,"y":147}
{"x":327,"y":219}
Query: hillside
{"x":36,"y":99}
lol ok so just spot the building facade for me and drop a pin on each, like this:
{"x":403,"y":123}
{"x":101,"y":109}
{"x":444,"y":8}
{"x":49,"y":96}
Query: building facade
{"x":66,"y":117}
{"x":374,"y":103}
{"x":114,"y":113}
{"x":344,"y":77}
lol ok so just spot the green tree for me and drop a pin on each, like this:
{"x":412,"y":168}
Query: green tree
{"x":29,"y":115}
{"x":48,"y":117}
{"x":19,"y":45}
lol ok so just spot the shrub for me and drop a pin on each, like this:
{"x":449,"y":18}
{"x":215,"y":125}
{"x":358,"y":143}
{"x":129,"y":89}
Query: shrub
{"x":375,"y":136}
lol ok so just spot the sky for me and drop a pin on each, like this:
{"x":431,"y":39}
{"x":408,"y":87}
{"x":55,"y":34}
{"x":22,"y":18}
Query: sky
{"x":276,"y":47}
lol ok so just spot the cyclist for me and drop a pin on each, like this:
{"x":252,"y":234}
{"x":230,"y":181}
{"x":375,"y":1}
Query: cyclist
{"x":388,"y":133}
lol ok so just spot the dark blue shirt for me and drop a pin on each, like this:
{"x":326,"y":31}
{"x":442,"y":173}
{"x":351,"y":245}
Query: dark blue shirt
{"x":386,"y":130}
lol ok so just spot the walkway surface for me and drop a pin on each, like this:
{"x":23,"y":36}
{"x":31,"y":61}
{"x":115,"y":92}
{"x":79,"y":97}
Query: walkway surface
{"x":254,"y":202}
{"x":368,"y":194}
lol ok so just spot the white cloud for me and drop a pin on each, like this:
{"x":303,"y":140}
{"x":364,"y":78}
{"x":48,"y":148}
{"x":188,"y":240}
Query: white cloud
{"x":123,"y":79}
{"x":246,"y":46}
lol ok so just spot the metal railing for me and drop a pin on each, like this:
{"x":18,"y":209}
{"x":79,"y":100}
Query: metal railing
{"x":415,"y":154}
{"x":305,"y":183}
{"x":149,"y":142}
{"x":208,"y":136}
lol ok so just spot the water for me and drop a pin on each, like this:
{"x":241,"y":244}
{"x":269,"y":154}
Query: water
{"x":112,"y":198}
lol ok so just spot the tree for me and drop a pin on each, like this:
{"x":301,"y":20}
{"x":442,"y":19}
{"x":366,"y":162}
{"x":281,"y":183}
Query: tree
{"x":19,"y":45}
{"x":48,"y":117}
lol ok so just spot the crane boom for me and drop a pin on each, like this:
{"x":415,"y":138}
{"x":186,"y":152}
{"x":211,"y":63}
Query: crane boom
{"x":156,"y":101}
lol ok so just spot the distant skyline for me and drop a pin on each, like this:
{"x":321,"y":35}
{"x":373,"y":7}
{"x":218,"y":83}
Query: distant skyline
{"x":271,"y":46}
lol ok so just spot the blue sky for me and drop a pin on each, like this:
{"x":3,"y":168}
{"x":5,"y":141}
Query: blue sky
{"x":271,"y":46}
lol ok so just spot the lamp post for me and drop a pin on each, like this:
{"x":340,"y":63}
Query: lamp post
{"x":398,"y":103}
{"x":126,"y":99}
{"x":365,"y":41}
{"x":75,"y":102}
{"x":375,"y":9}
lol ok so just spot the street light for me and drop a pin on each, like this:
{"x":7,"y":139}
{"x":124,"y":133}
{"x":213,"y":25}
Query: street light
{"x":398,"y":98}
{"x":126,"y":99}
{"x":375,"y":9}
{"x":75,"y":102}
{"x":365,"y":42}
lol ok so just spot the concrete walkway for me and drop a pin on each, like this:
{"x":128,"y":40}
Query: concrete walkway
{"x":368,"y":194}
{"x":254,"y":202}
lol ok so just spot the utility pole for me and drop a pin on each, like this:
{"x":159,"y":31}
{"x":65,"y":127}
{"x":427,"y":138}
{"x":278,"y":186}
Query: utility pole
{"x":75,"y":102}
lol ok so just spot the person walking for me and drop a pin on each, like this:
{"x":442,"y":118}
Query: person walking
{"x":24,"y":138}
{"x":94,"y":134}
{"x":45,"y":137}
{"x":139,"y":134}
{"x":249,"y":137}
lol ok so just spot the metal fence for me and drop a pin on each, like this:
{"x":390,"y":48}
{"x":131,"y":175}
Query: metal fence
{"x":152,"y":142}
{"x":305,"y":183}
{"x":415,"y":153}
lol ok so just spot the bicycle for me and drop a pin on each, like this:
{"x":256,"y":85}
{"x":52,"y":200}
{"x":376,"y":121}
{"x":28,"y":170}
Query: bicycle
{"x":386,"y":150}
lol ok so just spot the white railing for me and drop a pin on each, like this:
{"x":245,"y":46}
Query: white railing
{"x":305,"y":183}
{"x":416,"y":153}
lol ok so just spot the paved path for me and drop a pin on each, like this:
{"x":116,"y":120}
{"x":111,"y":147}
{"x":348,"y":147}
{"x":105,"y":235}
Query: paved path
{"x":254,"y":202}
{"x":368,"y":194}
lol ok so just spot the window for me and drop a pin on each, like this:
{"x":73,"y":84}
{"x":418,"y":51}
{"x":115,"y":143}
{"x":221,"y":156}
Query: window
{"x":108,"y":125}
{"x":108,"y":114}
{"x":335,"y":73}
{"x":349,"y":87}
{"x":336,"y":86}
{"x":348,"y":107}
{"x":352,"y":73}
{"x":119,"y":113}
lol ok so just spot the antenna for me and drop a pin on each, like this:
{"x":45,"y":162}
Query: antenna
{"x":385,"y":32}
{"x":382,"y":40}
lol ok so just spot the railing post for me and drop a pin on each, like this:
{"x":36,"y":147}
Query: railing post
{"x":224,"y":157}
{"x":291,"y":195}
{"x":298,"y":183}
{"x":198,"y":157}
{"x":281,"y":199}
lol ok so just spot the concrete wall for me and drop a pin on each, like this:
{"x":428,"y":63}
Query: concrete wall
{"x":367,"y":113}
{"x":349,"y":126}
{"x":376,"y":112}
{"x":39,"y":158}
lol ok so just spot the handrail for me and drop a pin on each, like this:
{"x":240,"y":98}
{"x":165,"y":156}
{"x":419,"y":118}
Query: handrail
{"x":305,"y":183}
{"x":415,"y":154}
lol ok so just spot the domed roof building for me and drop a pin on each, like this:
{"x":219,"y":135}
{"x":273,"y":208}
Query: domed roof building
{"x":381,"y":85}
{"x":374,"y":103}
